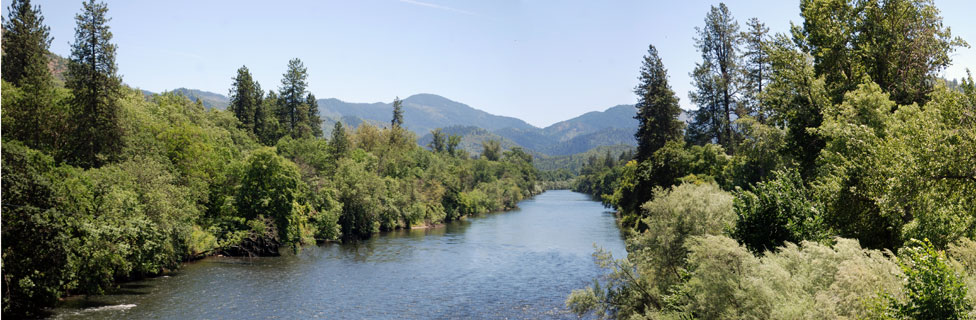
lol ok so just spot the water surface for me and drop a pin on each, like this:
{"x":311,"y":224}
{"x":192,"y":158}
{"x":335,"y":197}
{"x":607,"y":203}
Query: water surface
{"x":517,"y":264}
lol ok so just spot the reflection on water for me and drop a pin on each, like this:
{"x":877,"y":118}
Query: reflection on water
{"x":517,"y":264}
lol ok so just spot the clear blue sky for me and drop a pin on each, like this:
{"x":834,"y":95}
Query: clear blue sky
{"x":541,"y":61}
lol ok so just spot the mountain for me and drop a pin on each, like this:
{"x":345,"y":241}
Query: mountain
{"x":618,"y":117}
{"x":209,"y":99}
{"x":425,"y":112}
{"x":421,"y":112}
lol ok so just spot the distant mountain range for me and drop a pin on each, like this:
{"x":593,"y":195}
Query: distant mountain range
{"x":425,"y":112}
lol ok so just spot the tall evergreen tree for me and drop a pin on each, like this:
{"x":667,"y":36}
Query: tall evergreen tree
{"x":755,"y":69}
{"x":717,"y":76}
{"x":339,"y":142}
{"x":292,"y":94}
{"x":657,"y":107}
{"x":25,"y":46}
{"x":96,"y":86}
{"x":245,"y":98}
{"x":25,"y":42}
{"x":266,"y":125}
{"x":313,"y":118}
{"x":397,"y":121}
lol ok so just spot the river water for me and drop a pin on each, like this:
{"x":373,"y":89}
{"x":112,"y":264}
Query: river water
{"x":517,"y":264}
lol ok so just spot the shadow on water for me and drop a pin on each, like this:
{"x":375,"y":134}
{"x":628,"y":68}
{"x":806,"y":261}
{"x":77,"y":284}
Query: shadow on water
{"x":517,"y":264}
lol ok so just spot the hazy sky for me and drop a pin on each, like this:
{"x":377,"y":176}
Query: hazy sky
{"x":541,"y":61}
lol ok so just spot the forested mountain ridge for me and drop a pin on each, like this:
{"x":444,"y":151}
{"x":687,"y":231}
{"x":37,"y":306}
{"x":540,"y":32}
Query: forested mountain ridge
{"x":425,"y":112}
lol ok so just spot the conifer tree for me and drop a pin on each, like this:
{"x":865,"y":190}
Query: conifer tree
{"x":339,"y":142}
{"x":25,"y":47}
{"x":292,"y":94}
{"x":657,"y":107}
{"x":25,"y":42}
{"x":96,"y":85}
{"x":245,"y":98}
{"x":717,"y":76}
{"x":266,"y":125}
{"x":313,"y":118}
{"x":755,"y":69}
{"x":397,"y":113}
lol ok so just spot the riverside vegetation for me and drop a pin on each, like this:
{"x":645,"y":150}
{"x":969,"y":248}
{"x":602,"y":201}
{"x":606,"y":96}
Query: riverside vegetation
{"x":827,"y":173}
{"x":102,"y":183}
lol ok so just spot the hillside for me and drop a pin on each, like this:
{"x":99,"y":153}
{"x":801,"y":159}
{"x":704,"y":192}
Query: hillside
{"x":426,"y":112}
{"x":209,"y":99}
{"x":422,"y":113}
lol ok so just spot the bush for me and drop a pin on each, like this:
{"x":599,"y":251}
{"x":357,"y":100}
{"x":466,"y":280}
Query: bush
{"x":933,"y":289}
{"x":777,"y":211}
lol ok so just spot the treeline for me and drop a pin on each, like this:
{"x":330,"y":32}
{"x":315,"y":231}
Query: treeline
{"x":102,"y":184}
{"x":827,"y":173}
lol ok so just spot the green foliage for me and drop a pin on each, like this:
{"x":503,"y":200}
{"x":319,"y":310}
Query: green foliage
{"x":491,"y":150}
{"x":272,"y":187}
{"x":933,"y":289}
{"x":397,"y":120}
{"x":96,"y":86}
{"x":246,"y":97}
{"x":657,"y":107}
{"x":777,"y":211}
{"x":716,"y":79}
{"x":25,"y":43}
{"x":901,"y":45}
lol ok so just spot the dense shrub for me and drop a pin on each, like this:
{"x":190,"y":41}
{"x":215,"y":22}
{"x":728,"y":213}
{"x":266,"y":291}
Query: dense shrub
{"x":777,"y":211}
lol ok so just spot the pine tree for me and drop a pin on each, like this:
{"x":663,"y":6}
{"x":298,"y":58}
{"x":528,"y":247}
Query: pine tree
{"x":657,"y":107}
{"x":717,"y":76}
{"x":339,"y":143}
{"x":397,"y":121}
{"x":25,"y":46}
{"x":245,"y":99}
{"x":96,"y":86}
{"x":25,"y":42}
{"x":292,"y":94}
{"x":313,"y":118}
{"x":755,"y":69}
{"x":266,"y":125}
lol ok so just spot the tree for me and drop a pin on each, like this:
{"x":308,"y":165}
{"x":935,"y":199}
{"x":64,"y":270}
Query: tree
{"x":397,"y":113}
{"x":266,"y":125}
{"x":314,"y":121}
{"x":339,"y":142}
{"x":452,"y":144}
{"x":25,"y":47}
{"x":292,"y":95}
{"x":657,"y":107}
{"x":717,"y":76}
{"x":96,"y":86}
{"x":245,"y":99}
{"x":491,"y":150}
{"x":437,"y":143}
{"x":755,"y":69}
{"x":25,"y":43}
{"x":900,"y":44}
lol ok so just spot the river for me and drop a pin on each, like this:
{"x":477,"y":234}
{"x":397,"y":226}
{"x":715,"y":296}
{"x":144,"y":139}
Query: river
{"x":517,"y":264}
